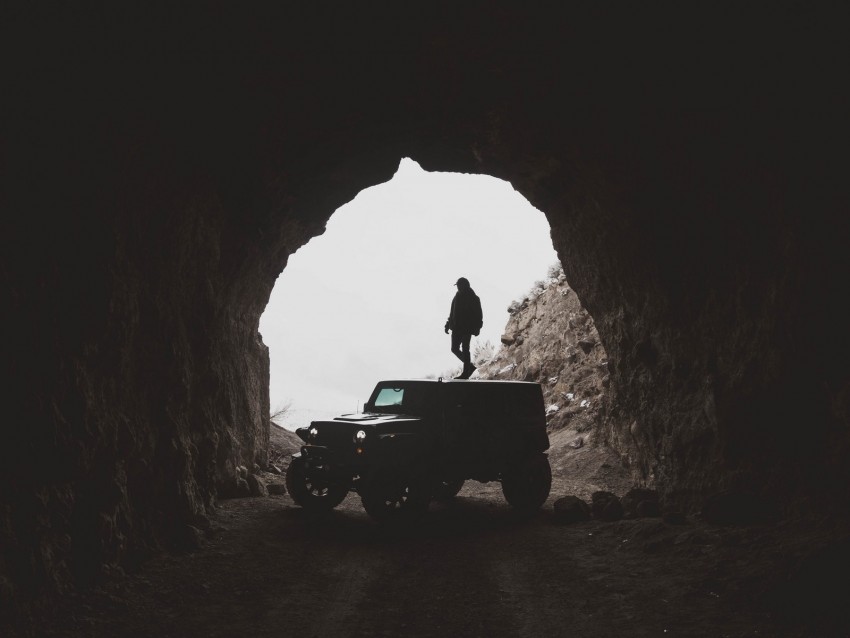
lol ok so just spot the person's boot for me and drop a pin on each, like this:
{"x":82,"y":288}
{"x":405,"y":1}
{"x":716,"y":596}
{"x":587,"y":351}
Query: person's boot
{"x":468,"y":369}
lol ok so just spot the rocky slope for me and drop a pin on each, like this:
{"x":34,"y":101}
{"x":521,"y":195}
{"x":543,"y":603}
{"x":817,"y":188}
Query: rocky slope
{"x":552,"y":340}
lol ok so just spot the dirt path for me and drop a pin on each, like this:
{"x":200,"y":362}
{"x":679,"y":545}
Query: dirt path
{"x":472,"y":568}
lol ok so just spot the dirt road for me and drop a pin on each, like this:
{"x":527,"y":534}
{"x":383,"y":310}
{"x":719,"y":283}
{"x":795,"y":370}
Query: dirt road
{"x":472,"y":568}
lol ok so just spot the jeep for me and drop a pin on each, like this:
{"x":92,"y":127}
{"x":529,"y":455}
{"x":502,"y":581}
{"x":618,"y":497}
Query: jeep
{"x":419,"y":440}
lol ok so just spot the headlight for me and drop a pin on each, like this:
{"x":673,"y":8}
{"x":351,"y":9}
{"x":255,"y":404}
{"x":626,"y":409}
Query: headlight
{"x":360,"y":437}
{"x":313,"y":434}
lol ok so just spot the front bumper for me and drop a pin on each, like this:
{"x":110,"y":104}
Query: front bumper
{"x":344,"y":462}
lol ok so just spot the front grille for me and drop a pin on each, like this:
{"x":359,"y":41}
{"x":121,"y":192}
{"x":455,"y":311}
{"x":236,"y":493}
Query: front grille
{"x":334,"y":435}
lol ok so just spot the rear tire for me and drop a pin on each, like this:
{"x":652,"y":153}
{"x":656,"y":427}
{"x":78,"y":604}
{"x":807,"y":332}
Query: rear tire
{"x":386,"y":496}
{"x":312,"y":492}
{"x":526,"y":485}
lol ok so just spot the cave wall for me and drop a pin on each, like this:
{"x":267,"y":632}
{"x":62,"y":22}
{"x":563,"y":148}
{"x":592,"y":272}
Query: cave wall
{"x":159,"y":169}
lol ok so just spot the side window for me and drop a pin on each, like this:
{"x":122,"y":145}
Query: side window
{"x":389,"y":397}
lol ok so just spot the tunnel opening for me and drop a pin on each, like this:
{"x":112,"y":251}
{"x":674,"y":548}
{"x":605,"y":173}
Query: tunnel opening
{"x":367,"y":299}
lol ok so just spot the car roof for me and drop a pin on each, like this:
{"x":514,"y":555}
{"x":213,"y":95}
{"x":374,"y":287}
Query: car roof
{"x":460,"y":381}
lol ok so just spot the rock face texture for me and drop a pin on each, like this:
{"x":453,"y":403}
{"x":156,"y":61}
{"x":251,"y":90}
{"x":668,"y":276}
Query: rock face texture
{"x":157,"y":171}
{"x":551,"y":339}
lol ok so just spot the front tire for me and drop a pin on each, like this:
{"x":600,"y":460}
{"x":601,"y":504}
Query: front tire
{"x":310,"y":490}
{"x":447,"y":490}
{"x":387,"y":496}
{"x":526,"y":485}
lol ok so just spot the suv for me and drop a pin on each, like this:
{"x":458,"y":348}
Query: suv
{"x":419,"y":440}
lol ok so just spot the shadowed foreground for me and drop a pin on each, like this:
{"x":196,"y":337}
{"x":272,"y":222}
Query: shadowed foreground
{"x":472,"y":568}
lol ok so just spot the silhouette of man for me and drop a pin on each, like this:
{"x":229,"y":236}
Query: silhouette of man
{"x":464,"y":321}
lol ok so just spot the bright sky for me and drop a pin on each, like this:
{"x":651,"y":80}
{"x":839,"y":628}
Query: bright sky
{"x":368,"y":299}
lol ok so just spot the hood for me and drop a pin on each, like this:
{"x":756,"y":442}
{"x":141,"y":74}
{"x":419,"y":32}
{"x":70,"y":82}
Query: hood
{"x":369,"y":418}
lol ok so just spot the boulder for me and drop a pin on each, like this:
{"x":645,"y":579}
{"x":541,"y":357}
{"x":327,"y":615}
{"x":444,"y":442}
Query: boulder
{"x":570,"y":509}
{"x":606,"y":506}
{"x":242,"y":487}
{"x":634,"y":497}
{"x":648,"y":509}
{"x":278,"y":489}
{"x":257,"y":485}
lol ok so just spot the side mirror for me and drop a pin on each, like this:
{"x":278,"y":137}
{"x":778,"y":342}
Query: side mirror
{"x":368,"y":407}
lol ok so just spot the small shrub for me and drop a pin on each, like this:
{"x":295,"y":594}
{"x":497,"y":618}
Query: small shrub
{"x":482,"y":353}
{"x":555,"y":270}
{"x":279,"y":414}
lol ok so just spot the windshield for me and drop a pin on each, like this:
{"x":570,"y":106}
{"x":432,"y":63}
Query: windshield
{"x":413,"y":399}
{"x":389,"y":397}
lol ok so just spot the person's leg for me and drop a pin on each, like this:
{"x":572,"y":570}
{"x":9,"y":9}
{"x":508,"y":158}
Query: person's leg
{"x":464,"y":343}
{"x":457,"y":340}
{"x":468,"y":368}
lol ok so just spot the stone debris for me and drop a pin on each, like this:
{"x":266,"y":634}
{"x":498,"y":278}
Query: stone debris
{"x":277,"y":489}
{"x":257,"y":485}
{"x":242,"y":487}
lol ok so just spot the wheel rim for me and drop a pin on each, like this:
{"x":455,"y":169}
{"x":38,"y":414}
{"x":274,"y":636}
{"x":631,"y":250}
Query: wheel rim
{"x":317,"y":489}
{"x":397,"y":501}
{"x":314,"y":491}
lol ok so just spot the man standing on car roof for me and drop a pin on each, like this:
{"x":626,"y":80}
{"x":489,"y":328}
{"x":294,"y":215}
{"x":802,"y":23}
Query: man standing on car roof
{"x":464,"y":320}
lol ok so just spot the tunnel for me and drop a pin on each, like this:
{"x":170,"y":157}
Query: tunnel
{"x":159,"y":169}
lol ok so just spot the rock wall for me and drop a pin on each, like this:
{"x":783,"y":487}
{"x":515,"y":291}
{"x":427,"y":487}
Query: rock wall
{"x":158,"y":169}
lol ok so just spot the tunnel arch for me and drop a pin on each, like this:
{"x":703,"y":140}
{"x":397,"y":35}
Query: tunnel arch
{"x":368,"y":298}
{"x":697,"y":203}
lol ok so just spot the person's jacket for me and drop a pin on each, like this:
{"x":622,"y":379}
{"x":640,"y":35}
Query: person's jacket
{"x":465,"y":316}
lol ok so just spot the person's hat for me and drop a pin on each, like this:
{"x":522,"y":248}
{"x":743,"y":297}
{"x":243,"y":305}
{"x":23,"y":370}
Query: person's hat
{"x":462,"y":280}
